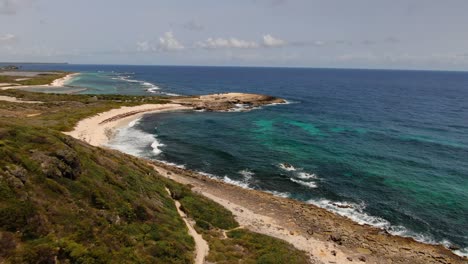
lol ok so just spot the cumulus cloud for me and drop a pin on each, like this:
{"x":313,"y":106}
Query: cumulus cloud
{"x":217,"y":43}
{"x":169,"y":43}
{"x":8,"y":39}
{"x":144,"y":46}
{"x":270,"y":41}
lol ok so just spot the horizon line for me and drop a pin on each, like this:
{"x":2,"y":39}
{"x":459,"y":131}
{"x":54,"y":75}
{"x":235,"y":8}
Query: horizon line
{"x":242,"y":66}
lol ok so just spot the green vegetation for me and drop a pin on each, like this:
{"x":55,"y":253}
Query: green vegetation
{"x":63,"y":200}
{"x":253,"y":248}
{"x":228,"y":243}
{"x":40,"y":79}
{"x":60,"y":197}
{"x":205,"y":212}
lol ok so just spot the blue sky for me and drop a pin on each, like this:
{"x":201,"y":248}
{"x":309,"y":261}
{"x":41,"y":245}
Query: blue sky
{"x":402,"y":34}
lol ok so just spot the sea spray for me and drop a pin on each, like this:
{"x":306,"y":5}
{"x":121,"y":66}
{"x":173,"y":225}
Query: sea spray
{"x":133,"y":141}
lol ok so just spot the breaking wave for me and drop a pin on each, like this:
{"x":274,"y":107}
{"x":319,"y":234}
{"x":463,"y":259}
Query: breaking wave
{"x":356,"y":213}
{"x":135,"y":142}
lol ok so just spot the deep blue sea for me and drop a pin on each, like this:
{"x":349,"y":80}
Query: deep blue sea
{"x":392,"y":145}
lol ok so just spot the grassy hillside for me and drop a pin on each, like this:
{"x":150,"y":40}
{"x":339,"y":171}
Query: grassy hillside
{"x":62,"y":200}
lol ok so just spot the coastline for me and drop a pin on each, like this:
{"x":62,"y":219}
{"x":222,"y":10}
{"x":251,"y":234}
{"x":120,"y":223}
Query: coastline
{"x":57,"y":83}
{"x":61,"y":81}
{"x":328,"y":237}
{"x":99,"y":129}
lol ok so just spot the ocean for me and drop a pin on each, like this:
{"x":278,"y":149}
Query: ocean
{"x":387,"y":148}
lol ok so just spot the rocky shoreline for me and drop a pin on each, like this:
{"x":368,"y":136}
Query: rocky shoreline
{"x":227,"y":101}
{"x":327,"y":237}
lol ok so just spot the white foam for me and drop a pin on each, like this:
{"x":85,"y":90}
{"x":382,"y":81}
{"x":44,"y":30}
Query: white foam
{"x":209,"y":175}
{"x":304,"y":183}
{"x":356,"y":213}
{"x":461,"y":252}
{"x":234,"y":182}
{"x":148,"y":84}
{"x":306,"y":176}
{"x":280,"y":194}
{"x":285,"y":167}
{"x":352,"y":211}
{"x":180,"y":166}
{"x":156,"y":147}
{"x":170,"y":94}
{"x":151,"y":87}
{"x":240,"y":108}
{"x":132,"y":141}
{"x":134,"y":122}
{"x":247,"y":174}
{"x":286,"y":102}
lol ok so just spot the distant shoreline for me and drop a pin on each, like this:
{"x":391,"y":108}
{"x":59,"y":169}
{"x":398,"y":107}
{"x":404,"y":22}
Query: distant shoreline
{"x":57,"y":83}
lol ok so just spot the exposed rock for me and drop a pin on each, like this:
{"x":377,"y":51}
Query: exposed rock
{"x":9,"y":68}
{"x":227,"y":101}
{"x":339,"y":205}
{"x":19,"y":172}
{"x":336,"y":238}
{"x":61,"y":163}
{"x":454,"y":247}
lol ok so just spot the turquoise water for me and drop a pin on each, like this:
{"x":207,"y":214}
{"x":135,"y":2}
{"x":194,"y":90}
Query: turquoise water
{"x":393,"y":145}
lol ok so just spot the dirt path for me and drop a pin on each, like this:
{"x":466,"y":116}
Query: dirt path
{"x":327,"y":237}
{"x":201,"y":246}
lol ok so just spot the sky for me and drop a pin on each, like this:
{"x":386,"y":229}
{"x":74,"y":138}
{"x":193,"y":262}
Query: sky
{"x":389,"y":34}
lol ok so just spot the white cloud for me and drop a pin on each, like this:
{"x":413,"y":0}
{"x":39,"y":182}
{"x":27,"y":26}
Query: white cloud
{"x":169,"y":43}
{"x":144,"y":46}
{"x":219,"y":43}
{"x":270,"y":41}
{"x":8,"y":39}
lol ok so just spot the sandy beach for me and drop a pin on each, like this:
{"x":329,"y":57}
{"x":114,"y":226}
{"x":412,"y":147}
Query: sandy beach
{"x":99,"y":129}
{"x":56,"y":83}
{"x":62,"y":81}
{"x":327,"y":237}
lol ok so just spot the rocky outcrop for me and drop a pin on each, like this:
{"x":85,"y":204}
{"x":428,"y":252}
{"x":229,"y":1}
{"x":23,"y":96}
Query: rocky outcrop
{"x":227,"y":101}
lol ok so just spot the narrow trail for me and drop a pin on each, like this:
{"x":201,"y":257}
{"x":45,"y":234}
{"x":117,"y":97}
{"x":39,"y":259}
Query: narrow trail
{"x":201,"y":246}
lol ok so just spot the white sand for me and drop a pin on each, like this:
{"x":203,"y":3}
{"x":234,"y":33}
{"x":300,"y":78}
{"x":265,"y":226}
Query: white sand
{"x":56,"y":83}
{"x":99,"y":129}
{"x":63,"y":81}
